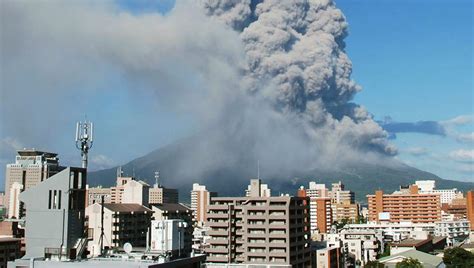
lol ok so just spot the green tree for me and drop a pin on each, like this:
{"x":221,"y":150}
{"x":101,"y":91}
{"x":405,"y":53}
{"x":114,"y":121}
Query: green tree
{"x":374,"y":264}
{"x":409,"y":263}
{"x":458,"y":257}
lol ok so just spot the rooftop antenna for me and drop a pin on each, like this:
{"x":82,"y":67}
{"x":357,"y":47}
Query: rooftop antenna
{"x":157,"y":179}
{"x":84,"y":139}
{"x":258,"y":169}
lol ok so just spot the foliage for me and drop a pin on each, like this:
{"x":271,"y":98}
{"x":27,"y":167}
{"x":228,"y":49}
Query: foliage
{"x":458,"y":257}
{"x":409,"y":263}
{"x":374,"y":264}
{"x":341,"y":224}
{"x":386,"y":251}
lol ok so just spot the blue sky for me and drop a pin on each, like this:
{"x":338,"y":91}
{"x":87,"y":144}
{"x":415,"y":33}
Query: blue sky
{"x":413,"y":59}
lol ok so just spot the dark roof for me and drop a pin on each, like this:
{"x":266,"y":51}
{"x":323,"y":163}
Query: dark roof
{"x":172,"y":207}
{"x":412,"y":242}
{"x":126,"y":207}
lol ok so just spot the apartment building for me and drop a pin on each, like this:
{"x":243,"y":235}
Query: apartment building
{"x":454,"y":231}
{"x":329,"y":257}
{"x":339,"y":195}
{"x":345,"y":211}
{"x":259,"y":230}
{"x":160,"y":195}
{"x":405,"y":205}
{"x":200,"y":199}
{"x":122,"y":223}
{"x":320,"y":209}
{"x":30,"y":168}
{"x":116,"y":192}
{"x":396,"y":231}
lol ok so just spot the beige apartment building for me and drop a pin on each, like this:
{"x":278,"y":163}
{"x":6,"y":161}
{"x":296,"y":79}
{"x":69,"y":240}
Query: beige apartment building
{"x":200,"y":199}
{"x":30,"y":168}
{"x":345,"y":211}
{"x":259,"y":230}
{"x":407,"y":205}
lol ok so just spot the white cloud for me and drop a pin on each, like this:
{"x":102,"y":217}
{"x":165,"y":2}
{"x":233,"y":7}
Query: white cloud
{"x":465,"y":137}
{"x":8,"y":147}
{"x":462,"y":155}
{"x":458,"y":120}
{"x":101,"y":161}
{"x":416,"y":151}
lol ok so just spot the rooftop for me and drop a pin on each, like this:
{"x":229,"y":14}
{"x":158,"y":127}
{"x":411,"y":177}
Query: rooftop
{"x":426,"y":259}
{"x":171,"y":207}
{"x":126,"y":207}
{"x":33,"y":152}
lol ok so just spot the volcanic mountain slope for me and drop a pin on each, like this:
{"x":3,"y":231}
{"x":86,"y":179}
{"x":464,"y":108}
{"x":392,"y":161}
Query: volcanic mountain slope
{"x":232,"y":179}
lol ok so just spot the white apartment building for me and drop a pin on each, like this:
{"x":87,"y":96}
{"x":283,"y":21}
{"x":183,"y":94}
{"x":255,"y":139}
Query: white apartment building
{"x":397,"y":231}
{"x":317,"y":190}
{"x":455,"y":231}
{"x":363,"y":246}
{"x":428,"y":187}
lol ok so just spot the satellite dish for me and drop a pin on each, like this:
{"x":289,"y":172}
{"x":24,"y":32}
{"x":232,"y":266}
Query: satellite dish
{"x":127,"y":247}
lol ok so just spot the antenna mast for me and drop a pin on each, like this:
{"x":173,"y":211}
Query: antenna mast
{"x":157,"y":179}
{"x":84,"y":139}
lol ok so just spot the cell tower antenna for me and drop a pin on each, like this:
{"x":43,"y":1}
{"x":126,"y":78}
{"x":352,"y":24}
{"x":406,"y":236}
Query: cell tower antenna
{"x":157,"y":179}
{"x":84,"y":139}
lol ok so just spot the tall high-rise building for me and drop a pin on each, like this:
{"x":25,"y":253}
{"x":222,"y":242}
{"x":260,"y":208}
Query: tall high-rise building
{"x":259,"y":230}
{"x":116,"y":193}
{"x":30,"y":168}
{"x":339,"y":195}
{"x":470,"y":208}
{"x":200,"y":199}
{"x":323,"y":215}
{"x":317,"y":190}
{"x":407,"y":205}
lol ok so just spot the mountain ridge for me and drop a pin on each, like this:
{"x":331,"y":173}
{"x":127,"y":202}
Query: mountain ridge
{"x":363,"y":178}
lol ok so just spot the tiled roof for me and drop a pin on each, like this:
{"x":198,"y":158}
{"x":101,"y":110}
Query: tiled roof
{"x":126,"y":207}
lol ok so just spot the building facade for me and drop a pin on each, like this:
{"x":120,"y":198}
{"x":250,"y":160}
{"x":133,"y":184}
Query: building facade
{"x":122,"y":223}
{"x":95,"y":194}
{"x":161,"y":195}
{"x":55,"y":218}
{"x":135,"y":192}
{"x":30,"y":168}
{"x":200,"y":199}
{"x":259,"y":230}
{"x":404,"y":206}
{"x":470,"y":208}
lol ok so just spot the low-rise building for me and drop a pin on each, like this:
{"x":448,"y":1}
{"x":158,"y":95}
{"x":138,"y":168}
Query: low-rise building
{"x":173,"y":211}
{"x":122,"y":223}
{"x":455,"y":231}
{"x":394,"y":232}
{"x":361,"y":246}
{"x":167,"y":237}
{"x":426,"y":260}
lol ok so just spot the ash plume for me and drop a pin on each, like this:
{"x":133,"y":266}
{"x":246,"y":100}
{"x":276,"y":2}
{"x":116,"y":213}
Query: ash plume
{"x":266,"y":80}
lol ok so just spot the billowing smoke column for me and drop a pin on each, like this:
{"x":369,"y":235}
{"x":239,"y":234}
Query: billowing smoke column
{"x":265,"y":81}
{"x":296,"y":60}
